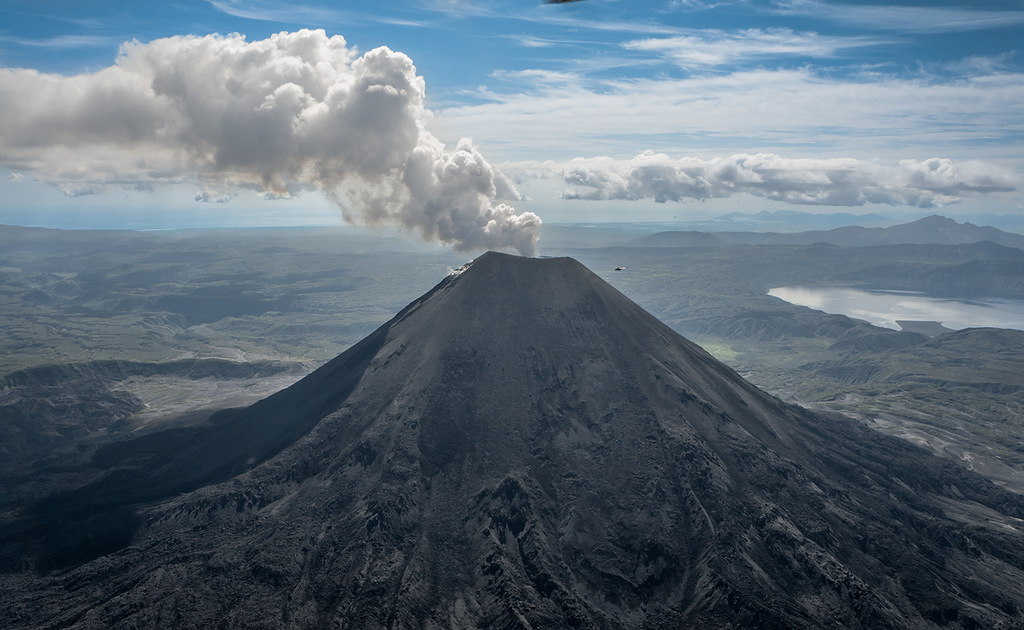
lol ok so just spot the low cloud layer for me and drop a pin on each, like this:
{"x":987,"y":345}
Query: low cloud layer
{"x":824,"y":182}
{"x":295,"y":112}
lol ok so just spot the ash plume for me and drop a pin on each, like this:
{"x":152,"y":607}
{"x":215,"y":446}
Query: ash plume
{"x":295,"y":112}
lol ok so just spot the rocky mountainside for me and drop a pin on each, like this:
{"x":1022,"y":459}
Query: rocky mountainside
{"x":53,"y":418}
{"x":521,"y":447}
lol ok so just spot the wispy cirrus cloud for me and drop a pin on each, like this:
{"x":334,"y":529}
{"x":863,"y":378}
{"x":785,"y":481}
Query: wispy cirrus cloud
{"x":403,"y":22}
{"x":716,"y":48}
{"x":542,"y":80}
{"x":552,"y":15}
{"x":980,"y":65}
{"x":910,"y":19}
{"x":305,"y":14}
{"x":760,"y":110}
{"x":285,"y":12}
{"x":533,"y":41}
{"x":67,"y":42}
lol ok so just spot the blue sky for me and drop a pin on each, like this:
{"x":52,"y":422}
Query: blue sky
{"x":731,"y":105}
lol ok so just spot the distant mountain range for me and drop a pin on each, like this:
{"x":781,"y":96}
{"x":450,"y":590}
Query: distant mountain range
{"x":784,"y":220}
{"x":931,"y":230}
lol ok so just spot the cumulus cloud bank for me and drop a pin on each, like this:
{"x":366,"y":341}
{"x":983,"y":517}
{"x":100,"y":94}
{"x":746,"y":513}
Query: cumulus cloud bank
{"x":298,"y":111}
{"x":826,"y":182}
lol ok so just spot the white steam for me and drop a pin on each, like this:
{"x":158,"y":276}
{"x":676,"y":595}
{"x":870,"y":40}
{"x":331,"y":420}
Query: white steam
{"x":827,"y":182}
{"x":298,"y":111}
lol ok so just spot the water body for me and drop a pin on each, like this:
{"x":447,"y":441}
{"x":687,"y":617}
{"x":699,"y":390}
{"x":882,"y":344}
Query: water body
{"x":883,"y":308}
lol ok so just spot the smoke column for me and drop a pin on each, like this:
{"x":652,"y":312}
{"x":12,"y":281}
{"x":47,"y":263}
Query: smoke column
{"x":296,"y":112}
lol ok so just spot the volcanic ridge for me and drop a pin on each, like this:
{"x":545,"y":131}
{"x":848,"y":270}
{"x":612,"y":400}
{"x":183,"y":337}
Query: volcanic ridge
{"x":521,"y":447}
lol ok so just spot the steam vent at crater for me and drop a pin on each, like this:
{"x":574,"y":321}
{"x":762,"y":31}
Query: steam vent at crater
{"x":521,"y":447}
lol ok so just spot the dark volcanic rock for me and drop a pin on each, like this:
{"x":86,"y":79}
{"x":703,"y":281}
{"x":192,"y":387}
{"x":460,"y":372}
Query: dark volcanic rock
{"x":523,"y":447}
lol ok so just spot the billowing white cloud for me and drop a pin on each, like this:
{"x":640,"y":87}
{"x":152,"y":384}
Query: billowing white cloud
{"x":298,"y":111}
{"x":825,"y":182}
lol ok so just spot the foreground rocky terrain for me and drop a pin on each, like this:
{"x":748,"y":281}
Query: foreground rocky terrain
{"x":521,"y":447}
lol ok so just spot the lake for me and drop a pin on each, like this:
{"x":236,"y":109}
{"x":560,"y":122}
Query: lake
{"x":883,"y":308}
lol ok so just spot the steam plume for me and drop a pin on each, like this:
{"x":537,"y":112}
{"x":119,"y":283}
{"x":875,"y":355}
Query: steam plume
{"x":298,"y":111}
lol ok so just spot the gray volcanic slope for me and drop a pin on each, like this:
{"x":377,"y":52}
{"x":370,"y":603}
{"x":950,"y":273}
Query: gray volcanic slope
{"x":523,"y":447}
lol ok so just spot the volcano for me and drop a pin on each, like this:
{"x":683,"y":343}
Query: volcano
{"x":524,"y":447}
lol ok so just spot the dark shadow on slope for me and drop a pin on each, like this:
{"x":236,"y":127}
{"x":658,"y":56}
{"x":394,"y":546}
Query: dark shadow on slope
{"x":72,"y":527}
